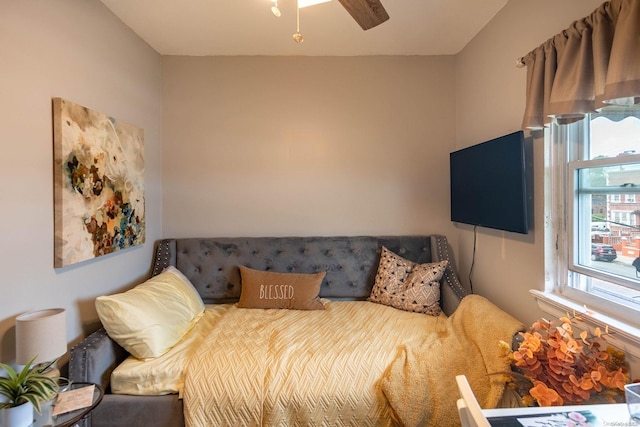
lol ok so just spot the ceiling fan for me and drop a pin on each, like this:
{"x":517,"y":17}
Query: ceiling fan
{"x":367,"y":13}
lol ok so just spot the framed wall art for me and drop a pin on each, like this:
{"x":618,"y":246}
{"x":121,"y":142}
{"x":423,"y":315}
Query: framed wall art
{"x":98,"y":184}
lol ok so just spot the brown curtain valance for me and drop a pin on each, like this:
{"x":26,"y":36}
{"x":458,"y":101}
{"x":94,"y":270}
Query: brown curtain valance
{"x":596,"y":61}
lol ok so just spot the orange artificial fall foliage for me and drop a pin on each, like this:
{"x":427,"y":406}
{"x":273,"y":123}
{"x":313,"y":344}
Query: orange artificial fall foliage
{"x":560,"y":369}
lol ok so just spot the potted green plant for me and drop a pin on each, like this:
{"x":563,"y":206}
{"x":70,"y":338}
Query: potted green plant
{"x":23,"y":392}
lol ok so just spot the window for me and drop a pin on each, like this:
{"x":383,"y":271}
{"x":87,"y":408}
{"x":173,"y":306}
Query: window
{"x":592,"y":204}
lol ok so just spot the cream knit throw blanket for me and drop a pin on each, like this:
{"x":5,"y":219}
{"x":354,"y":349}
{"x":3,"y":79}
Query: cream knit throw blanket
{"x":420,"y":384}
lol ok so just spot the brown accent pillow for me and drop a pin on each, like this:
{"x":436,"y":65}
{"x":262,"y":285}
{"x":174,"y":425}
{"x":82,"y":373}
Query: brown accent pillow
{"x":267,"y":289}
{"x":408,"y":286}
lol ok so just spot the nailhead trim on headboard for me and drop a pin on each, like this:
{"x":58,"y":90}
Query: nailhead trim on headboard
{"x":163,"y":256}
{"x":450,"y":277}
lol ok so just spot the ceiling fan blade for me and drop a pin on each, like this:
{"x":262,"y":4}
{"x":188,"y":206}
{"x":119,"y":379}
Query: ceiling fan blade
{"x":367,"y":13}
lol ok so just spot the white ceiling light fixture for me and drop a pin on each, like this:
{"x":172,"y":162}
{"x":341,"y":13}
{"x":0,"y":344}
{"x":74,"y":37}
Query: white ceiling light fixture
{"x":297,"y":37}
{"x":305,"y":3}
{"x":275,"y":9}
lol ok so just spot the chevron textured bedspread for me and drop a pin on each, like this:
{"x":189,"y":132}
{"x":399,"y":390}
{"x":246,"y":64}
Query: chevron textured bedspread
{"x":298,"y":368}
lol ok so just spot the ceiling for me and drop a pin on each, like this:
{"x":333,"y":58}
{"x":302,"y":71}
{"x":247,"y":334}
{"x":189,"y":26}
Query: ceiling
{"x":247,"y":27}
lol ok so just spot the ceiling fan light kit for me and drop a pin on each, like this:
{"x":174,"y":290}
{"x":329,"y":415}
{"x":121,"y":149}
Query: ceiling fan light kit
{"x":297,"y":37}
{"x":304,"y":3}
{"x":367,"y":13}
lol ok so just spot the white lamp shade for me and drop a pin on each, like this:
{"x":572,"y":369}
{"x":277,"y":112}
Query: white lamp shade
{"x":41,"y":334}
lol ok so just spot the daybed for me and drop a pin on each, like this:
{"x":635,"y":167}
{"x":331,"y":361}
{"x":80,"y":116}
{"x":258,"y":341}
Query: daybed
{"x":351,"y":362}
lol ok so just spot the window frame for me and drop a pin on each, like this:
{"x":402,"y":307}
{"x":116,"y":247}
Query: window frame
{"x":577,"y":210}
{"x":565,"y":146}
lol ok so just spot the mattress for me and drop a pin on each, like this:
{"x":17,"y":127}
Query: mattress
{"x":289,"y":367}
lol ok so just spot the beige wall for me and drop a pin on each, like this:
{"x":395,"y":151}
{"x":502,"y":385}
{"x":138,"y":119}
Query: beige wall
{"x":77,"y":50}
{"x":256,"y":146}
{"x":259,"y":145}
{"x":490,"y":93}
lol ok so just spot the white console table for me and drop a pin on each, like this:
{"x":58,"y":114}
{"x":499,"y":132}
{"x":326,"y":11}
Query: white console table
{"x":614,"y":415}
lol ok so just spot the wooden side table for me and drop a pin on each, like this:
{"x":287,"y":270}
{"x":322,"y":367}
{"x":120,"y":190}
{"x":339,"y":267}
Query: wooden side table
{"x":68,"y":419}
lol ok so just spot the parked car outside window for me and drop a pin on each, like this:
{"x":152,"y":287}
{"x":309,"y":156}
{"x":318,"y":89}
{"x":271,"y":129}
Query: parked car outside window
{"x":603,"y":252}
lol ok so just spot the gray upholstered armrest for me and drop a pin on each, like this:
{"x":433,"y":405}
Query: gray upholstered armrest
{"x":118,"y":410}
{"x":93,"y":359}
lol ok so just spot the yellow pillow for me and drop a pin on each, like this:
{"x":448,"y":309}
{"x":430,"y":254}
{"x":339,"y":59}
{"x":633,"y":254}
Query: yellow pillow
{"x":152,"y":317}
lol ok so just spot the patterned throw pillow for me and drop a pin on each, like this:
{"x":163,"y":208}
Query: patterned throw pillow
{"x":408,"y":286}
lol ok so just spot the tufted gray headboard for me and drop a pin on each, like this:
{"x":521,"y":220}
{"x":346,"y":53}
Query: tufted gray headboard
{"x":350,"y":262}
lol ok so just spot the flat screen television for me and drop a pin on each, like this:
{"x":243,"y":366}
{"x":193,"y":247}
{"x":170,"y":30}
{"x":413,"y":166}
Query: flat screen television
{"x":489,"y":184}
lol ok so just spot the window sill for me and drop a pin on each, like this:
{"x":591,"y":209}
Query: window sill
{"x":623,"y":335}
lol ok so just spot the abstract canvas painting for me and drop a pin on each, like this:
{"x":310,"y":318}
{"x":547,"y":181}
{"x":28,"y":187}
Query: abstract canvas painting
{"x":98,"y":184}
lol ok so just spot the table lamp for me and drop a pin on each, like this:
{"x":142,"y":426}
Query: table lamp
{"x":41,"y":334}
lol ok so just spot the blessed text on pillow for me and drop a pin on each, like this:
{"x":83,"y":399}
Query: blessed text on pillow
{"x":267,"y":289}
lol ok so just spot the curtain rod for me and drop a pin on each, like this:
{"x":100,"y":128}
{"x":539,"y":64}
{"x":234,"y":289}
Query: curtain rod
{"x":520,"y":62}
